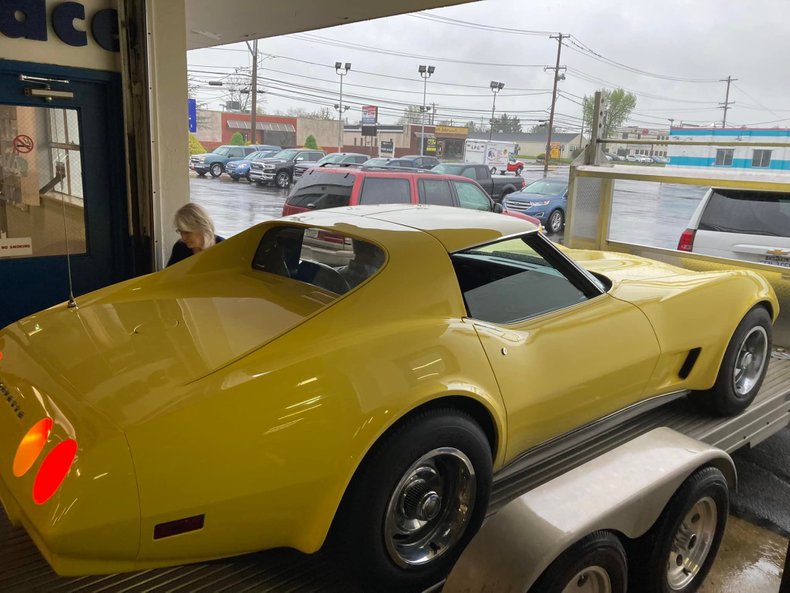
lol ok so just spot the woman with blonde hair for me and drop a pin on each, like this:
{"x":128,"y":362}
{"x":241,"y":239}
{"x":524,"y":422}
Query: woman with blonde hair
{"x":196,"y":229}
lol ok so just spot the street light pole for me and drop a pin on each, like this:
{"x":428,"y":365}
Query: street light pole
{"x":342,"y":70}
{"x":495,"y":88}
{"x":425,"y":73}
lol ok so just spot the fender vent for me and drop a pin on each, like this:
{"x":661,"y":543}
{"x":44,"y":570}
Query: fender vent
{"x":688,"y":364}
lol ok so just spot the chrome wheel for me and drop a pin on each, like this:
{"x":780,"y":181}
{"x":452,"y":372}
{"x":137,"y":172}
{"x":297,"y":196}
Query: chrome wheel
{"x":555,"y":221}
{"x":283,"y":180}
{"x":593,"y":579}
{"x":692,"y":543}
{"x":750,"y":360}
{"x":430,"y":507}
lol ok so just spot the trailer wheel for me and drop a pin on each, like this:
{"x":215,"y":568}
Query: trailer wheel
{"x":744,"y":365}
{"x":493,"y":170}
{"x":519,"y":169}
{"x":678,"y":551}
{"x":417,"y":499}
{"x":594,"y":564}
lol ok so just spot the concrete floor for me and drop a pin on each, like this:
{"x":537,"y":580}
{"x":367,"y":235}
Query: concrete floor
{"x":750,"y":560}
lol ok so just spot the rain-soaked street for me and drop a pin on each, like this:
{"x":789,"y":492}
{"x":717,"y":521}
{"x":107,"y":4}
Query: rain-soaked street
{"x":753,"y":551}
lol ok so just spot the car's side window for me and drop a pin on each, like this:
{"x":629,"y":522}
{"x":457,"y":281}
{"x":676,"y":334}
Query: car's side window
{"x":517,"y":279}
{"x":385,"y":190}
{"x":435,"y":191}
{"x":326,"y":259}
{"x":236,"y":152}
{"x":470,"y":196}
{"x":469,"y":172}
{"x":314,"y":156}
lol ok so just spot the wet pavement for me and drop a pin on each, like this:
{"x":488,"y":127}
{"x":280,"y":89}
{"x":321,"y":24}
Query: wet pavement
{"x":753,"y":552}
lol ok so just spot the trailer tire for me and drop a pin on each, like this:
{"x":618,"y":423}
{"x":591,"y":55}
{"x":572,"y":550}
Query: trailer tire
{"x":414,"y":503}
{"x":743,"y":367}
{"x":493,"y":170}
{"x":676,"y":554}
{"x":519,"y":170}
{"x":596,"y":563}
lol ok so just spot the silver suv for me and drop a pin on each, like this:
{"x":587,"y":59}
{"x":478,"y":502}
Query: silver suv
{"x":747,"y":225}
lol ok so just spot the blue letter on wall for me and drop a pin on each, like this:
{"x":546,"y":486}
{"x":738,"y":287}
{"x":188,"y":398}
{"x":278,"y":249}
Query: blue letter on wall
{"x":63,"y":22}
{"x":34,"y":24}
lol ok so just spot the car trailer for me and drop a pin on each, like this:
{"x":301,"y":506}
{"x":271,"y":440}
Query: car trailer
{"x":23,"y":569}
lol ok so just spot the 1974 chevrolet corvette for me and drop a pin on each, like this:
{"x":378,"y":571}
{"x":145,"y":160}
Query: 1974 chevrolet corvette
{"x":352,"y":376}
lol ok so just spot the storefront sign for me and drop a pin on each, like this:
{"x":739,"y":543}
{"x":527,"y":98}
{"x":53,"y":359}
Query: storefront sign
{"x":370,"y":115}
{"x":451,"y":131}
{"x":386,"y":147}
{"x":16,"y":247}
{"x":32,"y":23}
{"x":430,"y":145}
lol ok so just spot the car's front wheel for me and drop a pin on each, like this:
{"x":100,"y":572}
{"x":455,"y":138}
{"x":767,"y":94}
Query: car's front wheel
{"x":283,"y":179}
{"x":216,"y":169}
{"x":556,"y":221}
{"x":744,"y":365}
{"x":416,"y":501}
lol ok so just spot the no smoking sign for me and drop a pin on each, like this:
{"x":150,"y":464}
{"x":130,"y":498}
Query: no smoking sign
{"x":23,"y":144}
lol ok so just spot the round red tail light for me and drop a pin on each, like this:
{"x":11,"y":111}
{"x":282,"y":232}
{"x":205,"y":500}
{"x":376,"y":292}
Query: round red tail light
{"x":31,"y":445}
{"x":53,"y":471}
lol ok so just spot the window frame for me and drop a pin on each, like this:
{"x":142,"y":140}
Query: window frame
{"x":762,"y":153}
{"x":726,"y":155}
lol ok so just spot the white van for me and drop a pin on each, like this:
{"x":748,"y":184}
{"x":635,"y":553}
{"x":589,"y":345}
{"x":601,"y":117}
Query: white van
{"x":748,"y":225}
{"x":492,"y":153}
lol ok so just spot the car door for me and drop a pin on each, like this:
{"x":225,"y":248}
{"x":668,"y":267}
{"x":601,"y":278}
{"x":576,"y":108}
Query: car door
{"x":564,"y":352}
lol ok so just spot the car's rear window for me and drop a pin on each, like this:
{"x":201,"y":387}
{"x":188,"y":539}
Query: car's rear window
{"x":319,"y":190}
{"x":385,"y":190}
{"x":747,"y":212}
{"x":323,"y":258}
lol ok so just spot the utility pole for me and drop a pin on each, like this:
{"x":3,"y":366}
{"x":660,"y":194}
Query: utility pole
{"x":559,"y":37}
{"x":581,"y":139}
{"x":254,"y":90}
{"x":727,"y":101}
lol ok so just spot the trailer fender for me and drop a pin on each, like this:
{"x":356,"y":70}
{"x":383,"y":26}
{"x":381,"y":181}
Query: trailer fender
{"x":623,"y":491}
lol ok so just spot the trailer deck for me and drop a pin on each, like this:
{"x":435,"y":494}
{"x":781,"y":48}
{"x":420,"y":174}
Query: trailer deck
{"x":23,"y":569}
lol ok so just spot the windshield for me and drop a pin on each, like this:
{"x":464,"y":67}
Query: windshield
{"x":221,"y":150}
{"x":332,"y":158}
{"x":287,"y":154}
{"x":450,"y":169}
{"x":546,"y":187}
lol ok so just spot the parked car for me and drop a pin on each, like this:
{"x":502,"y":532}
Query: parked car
{"x":496,"y":186}
{"x":422,"y":161}
{"x":545,"y":199}
{"x":280,"y":167}
{"x":254,"y":396}
{"x":214,"y":162}
{"x":241,"y":168}
{"x":631,"y":158}
{"x":747,"y":225}
{"x":331,"y":188}
{"x":377,"y":162}
{"x":335,"y":159}
{"x":515,"y":166}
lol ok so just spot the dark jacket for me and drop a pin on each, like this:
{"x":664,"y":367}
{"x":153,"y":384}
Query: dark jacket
{"x":181,"y":251}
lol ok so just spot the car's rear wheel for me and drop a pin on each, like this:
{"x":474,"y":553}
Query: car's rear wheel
{"x":216,"y":169}
{"x":556,"y":221}
{"x":595,"y":564}
{"x":744,"y":365}
{"x":415,"y":502}
{"x":282,"y":179}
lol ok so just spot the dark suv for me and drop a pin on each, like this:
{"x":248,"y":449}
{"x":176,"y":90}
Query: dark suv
{"x":214,"y":162}
{"x":334,"y":159}
{"x":330,"y":188}
{"x":280,"y":168}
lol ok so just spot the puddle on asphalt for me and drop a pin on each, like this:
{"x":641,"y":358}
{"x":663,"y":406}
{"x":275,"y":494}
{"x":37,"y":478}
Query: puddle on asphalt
{"x":750,"y":560}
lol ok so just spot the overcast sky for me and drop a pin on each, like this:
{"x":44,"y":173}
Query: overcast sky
{"x":671,"y":54}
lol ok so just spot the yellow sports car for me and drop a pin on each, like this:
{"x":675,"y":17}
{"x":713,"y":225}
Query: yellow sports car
{"x":354,"y":376}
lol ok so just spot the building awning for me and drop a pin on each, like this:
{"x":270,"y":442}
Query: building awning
{"x":266,"y":126}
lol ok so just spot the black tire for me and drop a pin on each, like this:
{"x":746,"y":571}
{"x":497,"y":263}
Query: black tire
{"x":596,"y":563}
{"x":743,"y":367}
{"x":519,"y":170}
{"x":413,"y":461}
{"x":699,"y":508}
{"x":216,"y":169}
{"x":282,"y":179}
{"x":493,"y":170}
{"x":247,"y":177}
{"x":555,"y":221}
{"x":201,"y":174}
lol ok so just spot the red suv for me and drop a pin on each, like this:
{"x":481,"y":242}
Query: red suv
{"x":330,"y":188}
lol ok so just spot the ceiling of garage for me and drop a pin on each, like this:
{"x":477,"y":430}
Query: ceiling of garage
{"x":210,"y":22}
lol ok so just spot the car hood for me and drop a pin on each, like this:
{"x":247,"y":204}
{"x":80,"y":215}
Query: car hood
{"x":530,"y":197}
{"x":141,"y":344}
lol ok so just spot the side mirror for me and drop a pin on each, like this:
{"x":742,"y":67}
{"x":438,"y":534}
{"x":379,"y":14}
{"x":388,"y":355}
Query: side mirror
{"x":498,"y":208}
{"x":299,"y":159}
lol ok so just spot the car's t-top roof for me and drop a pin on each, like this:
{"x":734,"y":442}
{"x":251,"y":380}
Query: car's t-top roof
{"x":455,"y":228}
